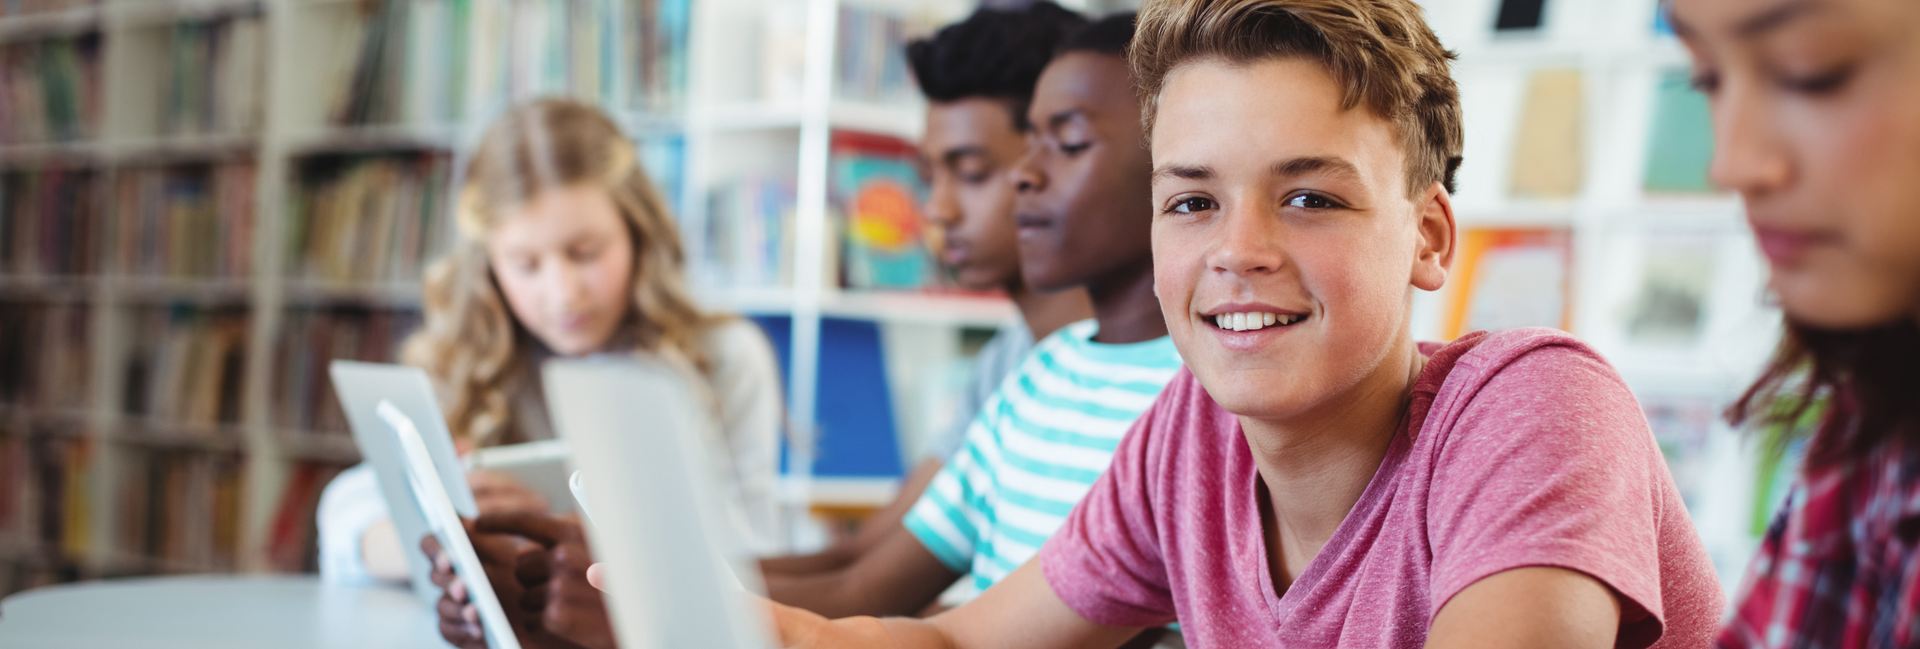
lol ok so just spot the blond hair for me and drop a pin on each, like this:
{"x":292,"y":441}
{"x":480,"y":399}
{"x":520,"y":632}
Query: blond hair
{"x":471,"y":344}
{"x":1381,"y":50}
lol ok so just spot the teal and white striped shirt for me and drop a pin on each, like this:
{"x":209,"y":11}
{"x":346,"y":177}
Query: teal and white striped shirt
{"x":1035,"y":449}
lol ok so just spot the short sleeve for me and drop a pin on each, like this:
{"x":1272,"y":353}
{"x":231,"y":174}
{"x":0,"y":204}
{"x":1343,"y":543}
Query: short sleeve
{"x":1106,"y":563}
{"x":1550,"y":463}
{"x":349,"y":506}
{"x":949,"y":515}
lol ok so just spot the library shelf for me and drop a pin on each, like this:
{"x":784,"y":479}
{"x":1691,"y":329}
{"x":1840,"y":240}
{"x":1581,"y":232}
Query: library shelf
{"x":184,"y":148}
{"x":374,"y":138}
{"x":395,"y":295}
{"x":76,"y":153}
{"x":331,"y":448}
{"x":140,"y":431}
{"x":55,"y":287}
{"x":76,"y":20}
{"x":952,"y":309}
{"x":164,"y":12}
{"x":190,"y":290}
{"x":901,"y":120}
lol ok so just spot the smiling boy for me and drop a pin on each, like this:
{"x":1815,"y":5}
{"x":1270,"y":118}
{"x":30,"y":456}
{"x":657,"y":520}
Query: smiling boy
{"x":1318,"y":479}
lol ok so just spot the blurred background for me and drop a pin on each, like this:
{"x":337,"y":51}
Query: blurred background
{"x":204,"y":201}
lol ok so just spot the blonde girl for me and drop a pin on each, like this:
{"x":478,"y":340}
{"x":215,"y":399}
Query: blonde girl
{"x":564,"y":249}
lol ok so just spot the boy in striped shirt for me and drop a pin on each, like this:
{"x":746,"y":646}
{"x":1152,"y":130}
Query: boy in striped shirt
{"x":1050,"y":430}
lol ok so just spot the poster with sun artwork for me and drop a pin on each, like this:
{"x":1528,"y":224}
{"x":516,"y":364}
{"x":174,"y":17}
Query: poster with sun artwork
{"x":877,"y":193}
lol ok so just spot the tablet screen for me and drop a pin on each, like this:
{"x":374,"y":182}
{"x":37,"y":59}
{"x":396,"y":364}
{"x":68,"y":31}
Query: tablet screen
{"x":431,"y":494}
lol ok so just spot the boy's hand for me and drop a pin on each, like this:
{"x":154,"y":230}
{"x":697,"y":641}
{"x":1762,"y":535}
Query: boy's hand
{"x":803,"y":629}
{"x":501,"y":556}
{"x":558,"y":589}
{"x":496,"y":492}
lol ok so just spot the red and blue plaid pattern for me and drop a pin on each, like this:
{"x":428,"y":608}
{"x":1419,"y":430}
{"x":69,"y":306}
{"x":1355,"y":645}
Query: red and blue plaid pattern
{"x":1840,"y":565}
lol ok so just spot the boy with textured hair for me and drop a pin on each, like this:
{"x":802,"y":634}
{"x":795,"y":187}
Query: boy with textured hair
{"x":1315,"y":478}
{"x":978,"y":77}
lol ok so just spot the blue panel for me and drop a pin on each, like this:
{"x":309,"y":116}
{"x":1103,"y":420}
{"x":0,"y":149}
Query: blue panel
{"x":853,"y":403}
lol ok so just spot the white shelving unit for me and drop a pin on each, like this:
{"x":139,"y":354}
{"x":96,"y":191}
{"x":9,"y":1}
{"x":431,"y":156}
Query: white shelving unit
{"x":1614,"y":46}
{"x":729,"y":128}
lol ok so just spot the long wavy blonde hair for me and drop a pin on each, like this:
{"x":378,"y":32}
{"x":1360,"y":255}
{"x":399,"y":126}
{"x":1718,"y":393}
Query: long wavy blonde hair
{"x":471,"y":344}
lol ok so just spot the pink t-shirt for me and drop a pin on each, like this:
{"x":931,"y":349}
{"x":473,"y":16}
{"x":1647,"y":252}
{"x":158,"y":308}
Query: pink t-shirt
{"x":1529,"y":452}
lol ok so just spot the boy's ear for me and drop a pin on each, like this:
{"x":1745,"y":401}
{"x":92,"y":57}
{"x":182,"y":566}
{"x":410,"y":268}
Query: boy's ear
{"x":1435,"y":240}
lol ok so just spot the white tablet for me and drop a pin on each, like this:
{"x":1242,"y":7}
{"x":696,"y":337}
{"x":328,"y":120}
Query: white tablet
{"x":362,"y":387}
{"x":431,"y":494}
{"x":542,"y":466}
{"x":658,"y":523}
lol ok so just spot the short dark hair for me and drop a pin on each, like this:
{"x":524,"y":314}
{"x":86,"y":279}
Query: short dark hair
{"x":995,"y":54}
{"x":1108,"y":36}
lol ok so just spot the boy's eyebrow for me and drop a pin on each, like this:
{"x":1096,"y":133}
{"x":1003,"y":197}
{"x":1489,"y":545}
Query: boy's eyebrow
{"x":1055,"y":120}
{"x":1316,"y":164}
{"x":954,"y":154}
{"x":1183,"y":172}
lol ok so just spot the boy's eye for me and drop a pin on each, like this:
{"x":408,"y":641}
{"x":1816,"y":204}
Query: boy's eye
{"x":1192,"y":204}
{"x":1311,"y":202}
{"x":1706,"y":82}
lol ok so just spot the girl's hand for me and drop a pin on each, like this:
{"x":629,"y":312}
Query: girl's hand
{"x":498,"y":492}
{"x":804,"y":629}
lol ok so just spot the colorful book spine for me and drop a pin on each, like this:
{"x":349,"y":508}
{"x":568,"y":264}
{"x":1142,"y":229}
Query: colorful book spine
{"x":180,"y":509}
{"x":50,"y":220}
{"x":50,"y":89}
{"x":185,"y":370}
{"x":45,"y":355}
{"x":303,"y":399}
{"x":369,"y":219}
{"x":876,"y":195}
{"x":184,"y":221}
{"x":214,"y":76}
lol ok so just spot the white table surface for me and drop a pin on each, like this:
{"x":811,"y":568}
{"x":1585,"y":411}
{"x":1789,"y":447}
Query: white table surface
{"x":216,"y":612}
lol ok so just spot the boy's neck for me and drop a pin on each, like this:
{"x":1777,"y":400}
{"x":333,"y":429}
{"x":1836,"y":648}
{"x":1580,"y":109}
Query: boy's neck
{"x":1045,"y":313}
{"x":1316,"y":467}
{"x":1124,"y":303}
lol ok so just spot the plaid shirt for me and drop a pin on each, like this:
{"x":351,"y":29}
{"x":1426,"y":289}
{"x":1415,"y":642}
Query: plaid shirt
{"x":1840,"y":566}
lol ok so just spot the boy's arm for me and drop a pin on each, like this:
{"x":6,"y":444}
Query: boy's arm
{"x":1529,"y":607}
{"x":1021,"y":611}
{"x":872,"y":532}
{"x":899,"y":576}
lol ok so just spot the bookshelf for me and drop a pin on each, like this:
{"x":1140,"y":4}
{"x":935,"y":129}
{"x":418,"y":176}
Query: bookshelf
{"x":1661,"y":273}
{"x":176,"y":264}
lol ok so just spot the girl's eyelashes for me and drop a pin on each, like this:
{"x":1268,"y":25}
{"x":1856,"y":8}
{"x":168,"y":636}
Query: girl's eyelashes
{"x":1705,"y":81}
{"x":1074,"y":149}
{"x":1818,"y":84}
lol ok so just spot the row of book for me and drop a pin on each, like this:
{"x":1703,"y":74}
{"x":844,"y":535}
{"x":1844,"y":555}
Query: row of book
{"x":179,"y":509}
{"x":46,"y":495}
{"x":1549,"y":151}
{"x":49,"y":221}
{"x":303,"y":399}
{"x":292,"y":541}
{"x":50,"y":89}
{"x":870,"y":54}
{"x":749,"y":233}
{"x":184,"y":220}
{"x":368,"y":218}
{"x":215,"y":76}
{"x":446,"y":61}
{"x":44,"y":355}
{"x":880,"y":238}
{"x":185,"y":367}
{"x":17,"y":8}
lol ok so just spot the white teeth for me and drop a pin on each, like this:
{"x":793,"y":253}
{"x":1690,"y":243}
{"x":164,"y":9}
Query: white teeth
{"x":1253,"y":321}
